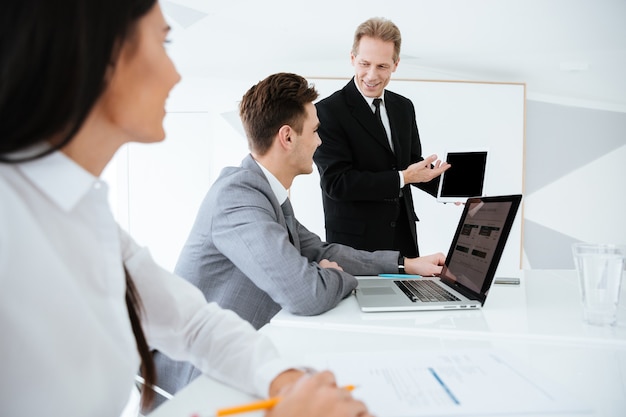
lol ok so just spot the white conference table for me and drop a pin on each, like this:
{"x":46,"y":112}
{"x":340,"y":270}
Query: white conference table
{"x":546,"y":337}
{"x":545,"y":306}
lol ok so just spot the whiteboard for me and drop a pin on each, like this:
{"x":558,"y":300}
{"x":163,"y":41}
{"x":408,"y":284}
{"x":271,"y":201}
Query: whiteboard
{"x":450,"y":115}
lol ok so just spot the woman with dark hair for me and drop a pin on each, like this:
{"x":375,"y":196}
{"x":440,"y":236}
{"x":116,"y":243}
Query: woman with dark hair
{"x":80,"y":299}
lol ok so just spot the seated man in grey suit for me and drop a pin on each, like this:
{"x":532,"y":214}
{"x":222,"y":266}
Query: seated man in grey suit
{"x":246,"y":251}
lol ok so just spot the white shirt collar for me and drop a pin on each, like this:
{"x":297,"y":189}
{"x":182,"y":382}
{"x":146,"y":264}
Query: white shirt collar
{"x":280,"y":192}
{"x":60,"y":178}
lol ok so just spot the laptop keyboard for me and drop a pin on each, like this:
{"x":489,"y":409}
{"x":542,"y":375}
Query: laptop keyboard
{"x":418,"y":290}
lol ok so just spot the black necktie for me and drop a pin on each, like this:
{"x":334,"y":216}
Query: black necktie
{"x":377,"y":102}
{"x":291,"y":224}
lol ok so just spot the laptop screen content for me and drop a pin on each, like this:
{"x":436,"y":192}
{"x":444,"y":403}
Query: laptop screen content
{"x":477,"y":242}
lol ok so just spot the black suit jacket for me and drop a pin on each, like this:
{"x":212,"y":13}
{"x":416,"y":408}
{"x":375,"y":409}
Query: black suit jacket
{"x":359,"y":171}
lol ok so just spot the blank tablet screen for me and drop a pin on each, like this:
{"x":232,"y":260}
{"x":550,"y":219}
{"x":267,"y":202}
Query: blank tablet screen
{"x":466,"y":176}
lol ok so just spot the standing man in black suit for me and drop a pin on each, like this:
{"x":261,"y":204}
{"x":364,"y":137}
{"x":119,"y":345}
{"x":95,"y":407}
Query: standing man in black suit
{"x":371,"y":151}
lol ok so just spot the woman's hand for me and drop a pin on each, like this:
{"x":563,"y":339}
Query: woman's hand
{"x":317,"y":395}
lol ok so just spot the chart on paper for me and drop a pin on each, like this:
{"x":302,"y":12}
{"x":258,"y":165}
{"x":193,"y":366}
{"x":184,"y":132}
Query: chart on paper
{"x":455,"y":383}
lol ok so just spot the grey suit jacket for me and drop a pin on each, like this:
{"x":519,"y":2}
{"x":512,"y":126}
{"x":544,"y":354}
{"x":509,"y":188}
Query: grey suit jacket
{"x":239,"y":254}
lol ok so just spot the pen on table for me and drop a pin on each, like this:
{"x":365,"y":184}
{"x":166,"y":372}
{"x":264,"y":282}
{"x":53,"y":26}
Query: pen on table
{"x":256,"y":405}
{"x":399,"y":276}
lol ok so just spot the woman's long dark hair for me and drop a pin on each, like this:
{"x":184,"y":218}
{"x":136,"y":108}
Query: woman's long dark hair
{"x":53,"y":58}
{"x":148,"y":371}
{"x":54,"y":55}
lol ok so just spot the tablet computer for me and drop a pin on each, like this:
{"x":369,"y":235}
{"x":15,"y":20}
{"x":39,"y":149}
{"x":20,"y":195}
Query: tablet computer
{"x":465,"y":178}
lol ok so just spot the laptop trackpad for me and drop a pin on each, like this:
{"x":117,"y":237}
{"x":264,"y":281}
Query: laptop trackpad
{"x":377,"y":291}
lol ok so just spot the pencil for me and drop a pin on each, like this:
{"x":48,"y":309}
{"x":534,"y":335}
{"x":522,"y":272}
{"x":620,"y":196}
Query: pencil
{"x":258,"y":405}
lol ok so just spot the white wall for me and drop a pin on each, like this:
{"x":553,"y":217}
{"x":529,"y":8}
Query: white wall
{"x":156,"y":189}
{"x":575,"y":180}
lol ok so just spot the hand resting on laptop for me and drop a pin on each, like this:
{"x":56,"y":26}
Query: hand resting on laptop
{"x":429,"y":265}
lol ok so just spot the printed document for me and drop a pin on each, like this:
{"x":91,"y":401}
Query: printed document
{"x":446,"y":383}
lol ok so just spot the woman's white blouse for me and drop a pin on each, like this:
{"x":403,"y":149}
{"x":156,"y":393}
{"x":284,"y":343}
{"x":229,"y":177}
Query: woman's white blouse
{"x":67,"y":346}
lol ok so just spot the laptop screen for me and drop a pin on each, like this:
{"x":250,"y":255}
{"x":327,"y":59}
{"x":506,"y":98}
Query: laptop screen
{"x":479,"y":241}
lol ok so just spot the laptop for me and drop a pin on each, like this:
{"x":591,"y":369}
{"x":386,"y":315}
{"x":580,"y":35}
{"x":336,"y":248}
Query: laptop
{"x":469,"y":268}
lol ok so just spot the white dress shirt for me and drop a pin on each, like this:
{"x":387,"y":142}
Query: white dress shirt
{"x":384,"y":117}
{"x":67,"y":346}
{"x":281,"y":193}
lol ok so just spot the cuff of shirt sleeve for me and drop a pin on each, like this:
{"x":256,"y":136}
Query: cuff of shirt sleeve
{"x":401,"y":179}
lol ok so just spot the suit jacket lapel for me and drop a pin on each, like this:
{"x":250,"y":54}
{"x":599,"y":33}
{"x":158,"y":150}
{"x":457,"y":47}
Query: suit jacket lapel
{"x":364,"y":115}
{"x":290,"y":224}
